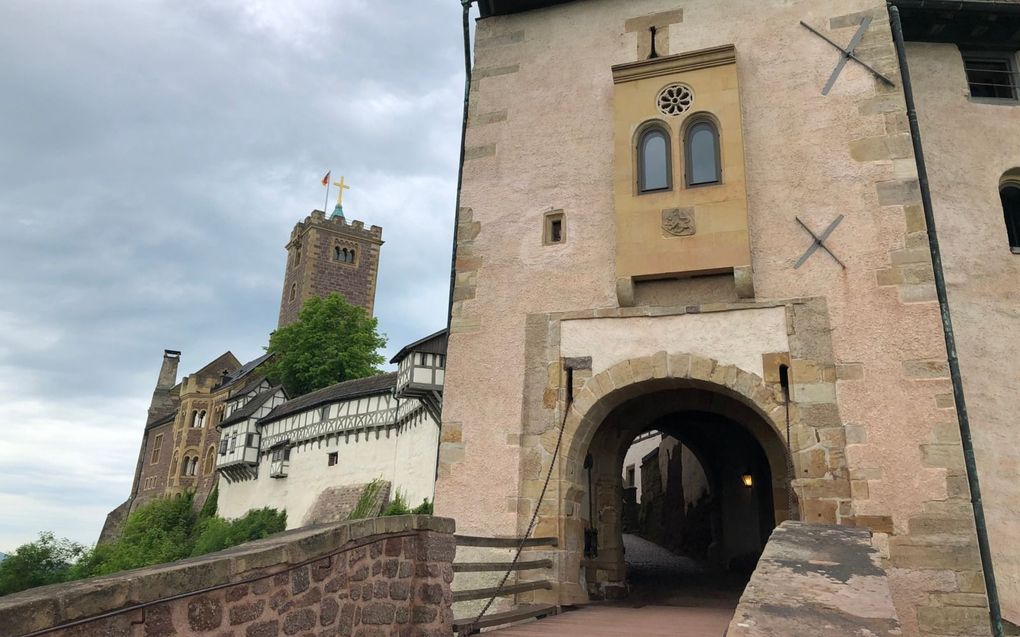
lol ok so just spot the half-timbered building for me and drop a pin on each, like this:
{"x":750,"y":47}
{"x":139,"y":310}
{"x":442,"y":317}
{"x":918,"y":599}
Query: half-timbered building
{"x":313,"y":455}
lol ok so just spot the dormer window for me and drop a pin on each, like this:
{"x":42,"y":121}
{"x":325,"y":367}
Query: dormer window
{"x":653,"y":160}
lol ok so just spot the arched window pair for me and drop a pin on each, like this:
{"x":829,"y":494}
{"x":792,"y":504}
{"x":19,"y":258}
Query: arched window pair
{"x":1009,"y":193}
{"x":198,"y":418}
{"x":190,"y":466}
{"x":702,"y":165}
{"x":343,"y":254}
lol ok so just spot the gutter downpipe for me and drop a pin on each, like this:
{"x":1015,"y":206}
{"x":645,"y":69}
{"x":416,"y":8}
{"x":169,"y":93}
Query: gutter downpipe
{"x":466,"y":5}
{"x":995,"y":615}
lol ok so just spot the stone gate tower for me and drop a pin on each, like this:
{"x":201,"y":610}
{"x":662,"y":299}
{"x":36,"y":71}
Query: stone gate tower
{"x":330,"y":255}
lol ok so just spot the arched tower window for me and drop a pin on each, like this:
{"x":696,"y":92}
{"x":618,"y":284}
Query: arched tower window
{"x":350,"y":256}
{"x":701,"y":154}
{"x":210,"y":460}
{"x":293,"y":291}
{"x":173,"y":465}
{"x":336,"y":253}
{"x":653,"y":160}
{"x":1009,"y":193}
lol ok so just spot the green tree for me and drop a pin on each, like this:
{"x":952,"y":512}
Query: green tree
{"x":216,"y":534}
{"x":332,"y":341}
{"x":45,"y":561}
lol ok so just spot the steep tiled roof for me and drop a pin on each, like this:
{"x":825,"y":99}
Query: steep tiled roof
{"x":250,"y":407}
{"x":244,"y":370}
{"x":380,"y":384}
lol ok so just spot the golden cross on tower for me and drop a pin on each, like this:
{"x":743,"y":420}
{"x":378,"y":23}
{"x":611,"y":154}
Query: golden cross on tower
{"x":341,"y":186}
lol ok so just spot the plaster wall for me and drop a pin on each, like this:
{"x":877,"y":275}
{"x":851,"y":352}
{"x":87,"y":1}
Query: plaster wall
{"x":635,"y":453}
{"x":732,"y":338}
{"x":540,"y":138}
{"x":406,"y":459}
{"x":965,"y":161}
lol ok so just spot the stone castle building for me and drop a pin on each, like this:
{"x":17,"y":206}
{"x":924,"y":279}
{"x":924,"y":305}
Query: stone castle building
{"x":181,"y":440}
{"x":677,"y":215}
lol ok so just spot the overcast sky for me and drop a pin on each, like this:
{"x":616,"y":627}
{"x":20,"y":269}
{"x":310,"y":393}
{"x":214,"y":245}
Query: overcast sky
{"x":154,"y":156}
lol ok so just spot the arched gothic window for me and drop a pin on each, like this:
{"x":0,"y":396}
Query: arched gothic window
{"x":350,"y":256}
{"x":173,"y":465}
{"x":1009,"y":193}
{"x":199,"y":418}
{"x":210,"y":460}
{"x":336,"y":253}
{"x":293,"y":291}
{"x":653,"y":160}
{"x":701,"y":154}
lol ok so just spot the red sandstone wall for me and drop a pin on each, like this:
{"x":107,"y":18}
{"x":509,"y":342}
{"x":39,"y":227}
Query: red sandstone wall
{"x":388,"y":576}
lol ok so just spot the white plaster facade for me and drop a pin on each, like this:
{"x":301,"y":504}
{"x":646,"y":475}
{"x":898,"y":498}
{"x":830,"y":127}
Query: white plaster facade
{"x":289,"y":454}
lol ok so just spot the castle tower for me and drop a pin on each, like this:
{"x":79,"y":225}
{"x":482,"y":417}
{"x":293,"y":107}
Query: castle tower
{"x":330,"y":255}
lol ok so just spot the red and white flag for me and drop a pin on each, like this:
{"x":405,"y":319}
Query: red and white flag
{"x":325,"y":180}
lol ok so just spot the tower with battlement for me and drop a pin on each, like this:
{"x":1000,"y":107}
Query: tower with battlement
{"x":326,"y":256}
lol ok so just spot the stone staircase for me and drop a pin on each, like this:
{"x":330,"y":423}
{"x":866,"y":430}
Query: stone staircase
{"x":480,"y":565}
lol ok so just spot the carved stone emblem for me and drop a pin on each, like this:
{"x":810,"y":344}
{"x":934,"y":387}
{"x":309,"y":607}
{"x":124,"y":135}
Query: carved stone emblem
{"x":678,"y":222}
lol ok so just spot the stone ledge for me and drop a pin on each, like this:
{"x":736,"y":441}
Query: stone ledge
{"x":816,"y":580}
{"x":57,"y":604}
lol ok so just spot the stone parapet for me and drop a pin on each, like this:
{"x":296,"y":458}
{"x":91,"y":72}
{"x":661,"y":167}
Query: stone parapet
{"x":384,"y":575}
{"x":815,"y":579}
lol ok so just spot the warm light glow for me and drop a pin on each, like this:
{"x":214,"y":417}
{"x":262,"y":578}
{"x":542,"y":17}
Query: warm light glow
{"x":747,"y":479}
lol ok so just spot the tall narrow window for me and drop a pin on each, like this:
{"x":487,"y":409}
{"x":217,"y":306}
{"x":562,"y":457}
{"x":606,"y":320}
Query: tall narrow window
{"x":157,"y":443}
{"x":1010,"y":195}
{"x":991,"y":75}
{"x":653,"y":164}
{"x":701,"y":154}
{"x":350,"y":256}
{"x":293,"y":291}
{"x":336,"y":254}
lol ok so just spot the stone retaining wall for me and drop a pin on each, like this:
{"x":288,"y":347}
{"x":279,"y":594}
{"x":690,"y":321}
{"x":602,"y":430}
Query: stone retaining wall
{"x":816,"y":580}
{"x":384,"y":576}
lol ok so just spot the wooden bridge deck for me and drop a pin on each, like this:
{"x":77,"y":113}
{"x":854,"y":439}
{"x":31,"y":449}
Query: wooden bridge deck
{"x":622,"y":621}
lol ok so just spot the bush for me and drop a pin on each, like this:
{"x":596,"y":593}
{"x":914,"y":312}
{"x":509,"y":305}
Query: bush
{"x":216,"y":534}
{"x":45,"y":561}
{"x":366,"y":502}
{"x":425,"y":508}
{"x":398,"y":506}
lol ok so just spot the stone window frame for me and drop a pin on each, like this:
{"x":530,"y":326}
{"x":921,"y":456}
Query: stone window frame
{"x":354,"y":248}
{"x":650,"y":126}
{"x":210,"y":460}
{"x":693,"y":120}
{"x":296,"y":261}
{"x":293,"y":291}
{"x":333,"y":458}
{"x":549,"y":220}
{"x":157,"y":444}
{"x":1012,"y":75}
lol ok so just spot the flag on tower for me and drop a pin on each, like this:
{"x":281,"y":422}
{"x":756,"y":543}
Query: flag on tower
{"x":325,"y":180}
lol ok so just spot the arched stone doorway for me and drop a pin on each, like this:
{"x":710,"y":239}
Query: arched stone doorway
{"x":697,"y":398}
{"x":728,"y":441}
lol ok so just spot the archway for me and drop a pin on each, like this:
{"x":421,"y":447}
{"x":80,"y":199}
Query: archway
{"x":732,"y":443}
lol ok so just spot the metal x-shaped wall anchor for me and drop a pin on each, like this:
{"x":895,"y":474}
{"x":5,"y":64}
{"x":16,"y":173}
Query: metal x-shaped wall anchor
{"x":819,"y":242}
{"x":848,"y":54}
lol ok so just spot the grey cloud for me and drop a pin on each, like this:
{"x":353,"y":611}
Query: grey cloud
{"x":154,"y":158}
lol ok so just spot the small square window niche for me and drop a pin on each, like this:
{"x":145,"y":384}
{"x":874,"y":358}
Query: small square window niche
{"x":555,"y":228}
{"x":991,"y":75}
{"x":334,"y":457}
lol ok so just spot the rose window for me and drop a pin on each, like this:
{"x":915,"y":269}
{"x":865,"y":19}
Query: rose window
{"x":675,"y":99}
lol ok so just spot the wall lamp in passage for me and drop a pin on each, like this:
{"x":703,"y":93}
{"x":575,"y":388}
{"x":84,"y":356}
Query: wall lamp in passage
{"x":747,"y":480}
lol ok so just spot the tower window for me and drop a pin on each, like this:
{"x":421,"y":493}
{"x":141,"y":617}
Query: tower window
{"x":1009,"y":193}
{"x":293,"y":291}
{"x":156,"y":444}
{"x":334,"y":457}
{"x":350,"y":256}
{"x":297,"y":255}
{"x":701,"y":154}
{"x":991,"y":74}
{"x":653,"y":160}
{"x":337,"y":254}
{"x":555,"y":228}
